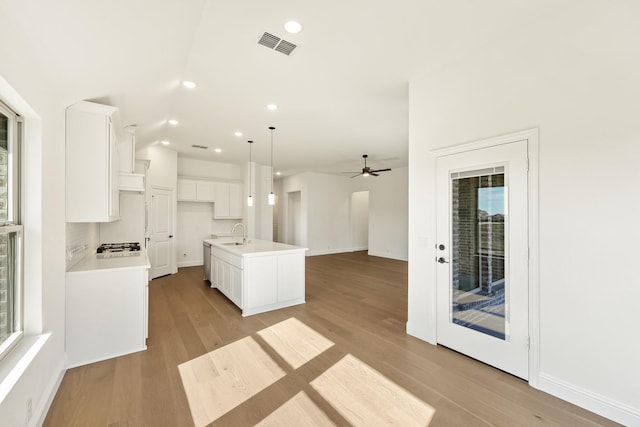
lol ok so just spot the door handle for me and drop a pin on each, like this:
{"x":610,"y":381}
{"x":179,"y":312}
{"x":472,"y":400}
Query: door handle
{"x":441,"y":260}
{"x":171,"y":236}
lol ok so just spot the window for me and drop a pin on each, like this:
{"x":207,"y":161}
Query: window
{"x":10,"y":229}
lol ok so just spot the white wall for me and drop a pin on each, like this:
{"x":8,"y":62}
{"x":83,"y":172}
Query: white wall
{"x":289,"y":185}
{"x":574,"y":75}
{"x":388,"y":212}
{"x":24,"y":86}
{"x":328,"y":207}
{"x":163,"y":167}
{"x":209,"y":169}
{"x":195,"y":219}
{"x":326,"y":212}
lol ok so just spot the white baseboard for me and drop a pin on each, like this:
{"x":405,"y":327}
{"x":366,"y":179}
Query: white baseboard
{"x":49,"y":393}
{"x":189,"y":263}
{"x":329,"y":252}
{"x":388,"y":255}
{"x":589,"y":400}
{"x":344,"y":250}
{"x":420,"y":334}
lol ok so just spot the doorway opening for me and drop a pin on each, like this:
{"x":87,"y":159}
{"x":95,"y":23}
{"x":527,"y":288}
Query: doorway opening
{"x":360,"y":221}
{"x":294,"y":218}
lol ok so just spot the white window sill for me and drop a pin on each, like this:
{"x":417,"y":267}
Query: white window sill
{"x":13,"y":366}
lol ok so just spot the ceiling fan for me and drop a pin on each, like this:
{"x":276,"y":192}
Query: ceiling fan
{"x":366,"y":170}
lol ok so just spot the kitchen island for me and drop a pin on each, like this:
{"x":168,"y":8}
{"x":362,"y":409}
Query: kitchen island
{"x":258,"y":276}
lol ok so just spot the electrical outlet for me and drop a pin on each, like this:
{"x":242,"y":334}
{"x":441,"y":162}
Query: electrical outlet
{"x":29,"y":409}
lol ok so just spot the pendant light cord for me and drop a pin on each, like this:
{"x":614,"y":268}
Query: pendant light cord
{"x":271,"y":128}
{"x":250,"y":143}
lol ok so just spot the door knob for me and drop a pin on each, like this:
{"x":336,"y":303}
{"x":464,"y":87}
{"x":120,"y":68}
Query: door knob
{"x":171,"y":236}
{"x":441,"y":260}
{"x":441,"y":247}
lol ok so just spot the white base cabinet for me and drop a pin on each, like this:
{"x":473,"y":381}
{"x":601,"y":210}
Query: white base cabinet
{"x":106,"y":314}
{"x":258,"y":281}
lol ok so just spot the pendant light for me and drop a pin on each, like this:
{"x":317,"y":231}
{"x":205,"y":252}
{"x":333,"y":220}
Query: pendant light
{"x":250,"y":199}
{"x":272,"y":197}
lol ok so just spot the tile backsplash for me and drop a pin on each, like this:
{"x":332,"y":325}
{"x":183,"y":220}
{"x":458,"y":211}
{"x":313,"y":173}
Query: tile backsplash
{"x":81,"y":239}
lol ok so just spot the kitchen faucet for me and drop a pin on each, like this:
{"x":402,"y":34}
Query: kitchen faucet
{"x":244,"y":232}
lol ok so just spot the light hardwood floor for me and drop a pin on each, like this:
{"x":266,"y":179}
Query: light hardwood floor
{"x":343,"y":358}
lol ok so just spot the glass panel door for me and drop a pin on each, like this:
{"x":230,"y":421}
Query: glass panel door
{"x":482,"y":255}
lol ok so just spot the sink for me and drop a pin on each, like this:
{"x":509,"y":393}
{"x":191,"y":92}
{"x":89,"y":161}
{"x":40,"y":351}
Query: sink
{"x":232,"y":244}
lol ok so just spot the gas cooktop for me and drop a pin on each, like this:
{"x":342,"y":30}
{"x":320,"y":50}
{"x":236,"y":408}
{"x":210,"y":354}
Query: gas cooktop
{"x":109,"y":250}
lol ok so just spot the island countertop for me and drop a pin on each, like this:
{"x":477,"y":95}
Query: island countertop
{"x":255,"y":247}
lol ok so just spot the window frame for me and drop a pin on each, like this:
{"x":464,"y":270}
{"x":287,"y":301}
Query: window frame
{"x":13,"y":224}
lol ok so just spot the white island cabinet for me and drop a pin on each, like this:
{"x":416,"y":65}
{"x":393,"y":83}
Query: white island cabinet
{"x":106,"y":308}
{"x":260,"y":275}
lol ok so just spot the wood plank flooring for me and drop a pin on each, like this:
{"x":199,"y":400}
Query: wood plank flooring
{"x":345,"y":349}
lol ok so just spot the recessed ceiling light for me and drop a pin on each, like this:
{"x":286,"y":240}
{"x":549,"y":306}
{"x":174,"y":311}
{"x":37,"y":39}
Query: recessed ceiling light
{"x":173,"y":122}
{"x":293,"y":27}
{"x":218,"y":150}
{"x":272,"y":107}
{"x":188,"y":84}
{"x":237,"y":133}
{"x":278,"y":173}
{"x":165,"y":142}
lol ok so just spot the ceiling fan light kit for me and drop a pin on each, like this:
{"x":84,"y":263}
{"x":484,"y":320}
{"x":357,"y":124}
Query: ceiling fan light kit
{"x":367,"y":171}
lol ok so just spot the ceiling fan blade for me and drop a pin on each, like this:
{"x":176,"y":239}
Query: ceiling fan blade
{"x":358,"y":174}
{"x":373,"y":174}
{"x":381,"y":170}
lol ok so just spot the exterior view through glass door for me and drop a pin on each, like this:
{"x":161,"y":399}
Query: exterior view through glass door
{"x":482,"y":255}
{"x":478,"y":262}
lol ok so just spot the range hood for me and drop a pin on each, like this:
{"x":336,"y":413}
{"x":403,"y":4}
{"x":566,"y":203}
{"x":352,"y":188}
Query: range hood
{"x":131,"y":182}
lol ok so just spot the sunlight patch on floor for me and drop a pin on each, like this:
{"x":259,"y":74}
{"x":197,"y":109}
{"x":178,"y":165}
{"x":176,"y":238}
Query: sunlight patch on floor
{"x":220,"y":380}
{"x":295,"y":342}
{"x":299,"y":411}
{"x":364,"y":397}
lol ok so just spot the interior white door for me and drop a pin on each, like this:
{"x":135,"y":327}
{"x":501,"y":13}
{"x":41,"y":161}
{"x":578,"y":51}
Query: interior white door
{"x":482,"y":255}
{"x":161,"y":245}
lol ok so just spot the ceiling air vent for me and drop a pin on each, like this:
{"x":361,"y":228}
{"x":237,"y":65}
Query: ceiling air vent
{"x":269,"y":40}
{"x":276,"y":43}
{"x":285,"y":47}
{"x":203,"y":147}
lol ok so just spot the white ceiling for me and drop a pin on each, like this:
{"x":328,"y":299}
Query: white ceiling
{"x":343,"y":92}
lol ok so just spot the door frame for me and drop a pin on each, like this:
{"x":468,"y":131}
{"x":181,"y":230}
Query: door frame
{"x":531,"y":135}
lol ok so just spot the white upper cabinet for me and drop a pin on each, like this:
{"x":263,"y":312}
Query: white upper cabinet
{"x":92,"y":193}
{"x":226,"y":196}
{"x":194,"y":190}
{"x":128,"y":180}
{"x":228,"y":200}
{"x":127,"y":152}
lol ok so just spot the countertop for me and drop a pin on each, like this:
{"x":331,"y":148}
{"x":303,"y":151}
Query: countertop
{"x":256,"y":247}
{"x":91,"y":263}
